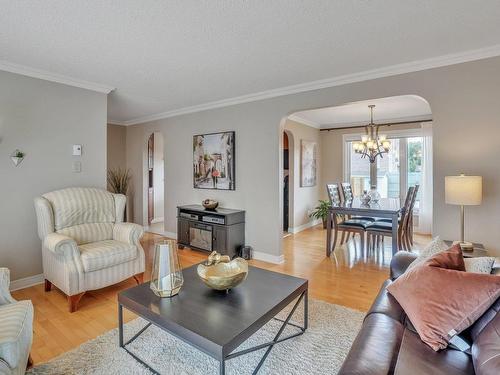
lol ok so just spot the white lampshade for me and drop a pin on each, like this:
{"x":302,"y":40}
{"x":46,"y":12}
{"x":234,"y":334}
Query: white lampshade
{"x":463,"y":190}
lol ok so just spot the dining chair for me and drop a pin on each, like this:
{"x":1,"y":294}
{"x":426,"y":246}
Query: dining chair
{"x":341,"y":223}
{"x":348,"y":197}
{"x":379,"y":229}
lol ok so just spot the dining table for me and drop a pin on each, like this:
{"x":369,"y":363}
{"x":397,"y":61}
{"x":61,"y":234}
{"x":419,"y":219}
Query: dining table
{"x":384,"y":208}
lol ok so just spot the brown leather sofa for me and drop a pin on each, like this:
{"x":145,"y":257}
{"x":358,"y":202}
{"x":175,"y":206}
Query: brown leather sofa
{"x":389,"y":344}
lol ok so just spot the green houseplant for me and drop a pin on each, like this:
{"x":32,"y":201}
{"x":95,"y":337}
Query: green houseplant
{"x":321,"y":212}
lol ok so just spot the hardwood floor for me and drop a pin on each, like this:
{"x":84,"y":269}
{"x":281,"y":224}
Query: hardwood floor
{"x":350,"y":278}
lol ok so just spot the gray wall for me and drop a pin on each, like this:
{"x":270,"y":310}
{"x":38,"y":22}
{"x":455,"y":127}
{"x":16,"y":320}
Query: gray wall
{"x":44,"y":120}
{"x":302,"y":199}
{"x":464,"y":99}
{"x":116,"y":155}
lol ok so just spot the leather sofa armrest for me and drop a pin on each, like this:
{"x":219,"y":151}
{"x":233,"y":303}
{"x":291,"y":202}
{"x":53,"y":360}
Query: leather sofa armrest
{"x":61,"y":244}
{"x":128,"y":232}
{"x":400,"y":262}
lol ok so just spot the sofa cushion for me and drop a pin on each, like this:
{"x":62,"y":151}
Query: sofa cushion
{"x":417,"y":358}
{"x":104,"y":254}
{"x":15,"y":332}
{"x":91,"y":232}
{"x":486,"y":349}
{"x":74,"y":206}
{"x":375,"y":348}
{"x":441,"y":299}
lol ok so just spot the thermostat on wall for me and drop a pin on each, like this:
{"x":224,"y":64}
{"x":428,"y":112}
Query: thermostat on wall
{"x":77,"y":150}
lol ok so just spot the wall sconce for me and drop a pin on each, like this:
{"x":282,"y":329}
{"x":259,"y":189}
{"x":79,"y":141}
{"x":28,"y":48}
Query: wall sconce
{"x":17,"y":157}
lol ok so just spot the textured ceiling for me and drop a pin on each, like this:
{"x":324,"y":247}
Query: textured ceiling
{"x":391,"y":109}
{"x":165,"y":55}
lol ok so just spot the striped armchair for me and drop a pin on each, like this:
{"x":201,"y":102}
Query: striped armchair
{"x":16,"y":329}
{"x":85,"y":244}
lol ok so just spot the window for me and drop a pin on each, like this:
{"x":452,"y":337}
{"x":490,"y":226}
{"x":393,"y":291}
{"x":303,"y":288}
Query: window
{"x":395,"y":171}
{"x":414,"y":165}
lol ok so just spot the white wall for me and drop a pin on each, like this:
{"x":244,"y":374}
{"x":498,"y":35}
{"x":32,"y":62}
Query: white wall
{"x":158,"y":172}
{"x":302,"y":199}
{"x":464,"y":101}
{"x":44,"y":120}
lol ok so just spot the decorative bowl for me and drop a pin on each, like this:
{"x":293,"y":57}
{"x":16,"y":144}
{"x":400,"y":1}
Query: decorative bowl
{"x":223,"y":274}
{"x":210,"y":204}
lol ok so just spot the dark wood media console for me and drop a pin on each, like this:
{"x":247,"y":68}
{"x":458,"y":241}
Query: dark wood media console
{"x":222,"y":230}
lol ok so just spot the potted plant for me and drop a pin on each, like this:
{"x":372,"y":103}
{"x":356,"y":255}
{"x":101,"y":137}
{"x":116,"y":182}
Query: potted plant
{"x":321,"y":212}
{"x":118,"y":183}
{"x":17,"y":157}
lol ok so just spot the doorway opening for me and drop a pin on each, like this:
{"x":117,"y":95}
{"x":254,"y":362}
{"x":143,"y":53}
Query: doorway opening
{"x":155,"y":183}
{"x":287,"y":151}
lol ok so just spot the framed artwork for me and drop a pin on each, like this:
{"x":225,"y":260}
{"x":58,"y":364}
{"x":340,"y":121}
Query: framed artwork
{"x":213,"y":161}
{"x":308,"y":155}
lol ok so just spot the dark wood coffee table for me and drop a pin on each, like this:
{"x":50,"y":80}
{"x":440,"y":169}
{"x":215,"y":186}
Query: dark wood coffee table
{"x":215,"y":322}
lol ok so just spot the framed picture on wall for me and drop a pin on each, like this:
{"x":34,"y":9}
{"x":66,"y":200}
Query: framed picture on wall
{"x":308,"y":155}
{"x":213,"y":161}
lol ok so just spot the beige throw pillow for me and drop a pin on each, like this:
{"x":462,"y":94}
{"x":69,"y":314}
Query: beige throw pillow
{"x":479,"y":265}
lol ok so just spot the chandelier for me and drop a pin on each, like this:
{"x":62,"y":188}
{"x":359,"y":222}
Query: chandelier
{"x":372,"y":144}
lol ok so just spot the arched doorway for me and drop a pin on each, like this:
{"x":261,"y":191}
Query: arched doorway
{"x":155,"y":183}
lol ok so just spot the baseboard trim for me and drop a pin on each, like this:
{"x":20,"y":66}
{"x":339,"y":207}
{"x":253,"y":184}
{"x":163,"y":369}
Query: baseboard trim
{"x":157,"y":220}
{"x":305,"y":226}
{"x":26,"y":282}
{"x":265,"y":257}
{"x":172,"y":235}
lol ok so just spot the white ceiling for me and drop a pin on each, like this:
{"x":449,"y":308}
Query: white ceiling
{"x":162,"y":56}
{"x":387,"y":110}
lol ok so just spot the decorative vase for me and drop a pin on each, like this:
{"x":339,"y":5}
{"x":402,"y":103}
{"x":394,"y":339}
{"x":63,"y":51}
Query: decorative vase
{"x":374,"y":195}
{"x":166,"y":276}
{"x":365,"y":198}
{"x":210,"y":204}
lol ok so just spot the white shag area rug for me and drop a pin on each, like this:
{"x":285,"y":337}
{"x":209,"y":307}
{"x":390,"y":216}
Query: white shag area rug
{"x":320,"y":350}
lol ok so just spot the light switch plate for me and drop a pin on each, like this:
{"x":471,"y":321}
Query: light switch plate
{"x":77,"y":167}
{"x":77,"y":150}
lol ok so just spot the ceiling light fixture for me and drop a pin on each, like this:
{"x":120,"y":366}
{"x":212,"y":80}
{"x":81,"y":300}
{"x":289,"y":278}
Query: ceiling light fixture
{"x":372,"y":144}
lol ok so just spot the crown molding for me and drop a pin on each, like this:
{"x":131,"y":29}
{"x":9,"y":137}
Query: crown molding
{"x":53,"y":77}
{"x":116,"y":122}
{"x":414,"y":66}
{"x":303,"y":121}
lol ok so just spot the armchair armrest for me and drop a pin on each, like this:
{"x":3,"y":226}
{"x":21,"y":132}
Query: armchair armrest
{"x":61,"y":245}
{"x":5,"y":296}
{"x":128,"y":232}
{"x":400,"y":262}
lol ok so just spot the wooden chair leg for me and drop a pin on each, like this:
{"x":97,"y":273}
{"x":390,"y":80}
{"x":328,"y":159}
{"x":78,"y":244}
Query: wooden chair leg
{"x":335,"y":235}
{"x":139,"y":278}
{"x":48,"y":285}
{"x":362,"y":240}
{"x":348,"y":237}
{"x":73,"y":301}
{"x":342,"y":238}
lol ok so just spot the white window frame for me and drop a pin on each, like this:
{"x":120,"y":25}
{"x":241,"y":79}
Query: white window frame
{"x":391,"y":134}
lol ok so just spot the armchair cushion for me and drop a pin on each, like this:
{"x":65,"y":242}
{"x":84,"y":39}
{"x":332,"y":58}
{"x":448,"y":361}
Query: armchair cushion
{"x":74,"y":206}
{"x":90,"y":232}
{"x":16,"y":333}
{"x":104,"y":254}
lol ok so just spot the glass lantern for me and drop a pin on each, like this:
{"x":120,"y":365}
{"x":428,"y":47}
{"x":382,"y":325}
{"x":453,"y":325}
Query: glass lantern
{"x":166,"y":276}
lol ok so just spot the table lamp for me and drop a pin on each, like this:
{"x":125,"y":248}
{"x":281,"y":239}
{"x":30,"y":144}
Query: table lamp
{"x":463,"y":191}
